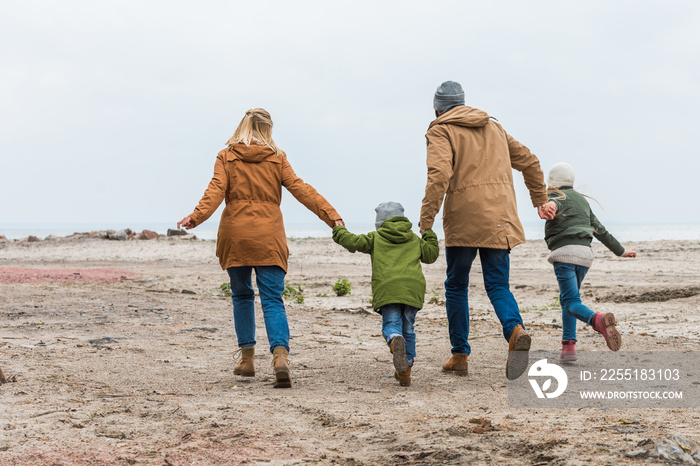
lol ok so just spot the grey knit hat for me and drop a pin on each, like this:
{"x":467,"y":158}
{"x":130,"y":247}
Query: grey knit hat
{"x":561,"y":174}
{"x":386,"y":210}
{"x":449,"y":94}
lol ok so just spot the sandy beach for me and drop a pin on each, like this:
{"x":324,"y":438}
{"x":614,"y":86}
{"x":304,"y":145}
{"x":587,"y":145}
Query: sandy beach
{"x":122,"y":352}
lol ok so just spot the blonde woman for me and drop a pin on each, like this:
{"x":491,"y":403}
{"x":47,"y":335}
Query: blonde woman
{"x":249,"y":175}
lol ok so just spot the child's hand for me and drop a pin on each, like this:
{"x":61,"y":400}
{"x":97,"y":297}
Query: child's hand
{"x":340,"y":223}
{"x":629,"y":253}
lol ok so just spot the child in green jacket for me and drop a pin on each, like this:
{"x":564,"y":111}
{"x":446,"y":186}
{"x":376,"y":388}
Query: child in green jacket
{"x":398,"y":284}
{"x":569,"y":237}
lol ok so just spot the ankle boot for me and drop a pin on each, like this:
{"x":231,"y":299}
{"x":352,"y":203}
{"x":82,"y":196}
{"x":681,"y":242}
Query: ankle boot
{"x":518,"y":347}
{"x":404,"y":377}
{"x":605,"y":325}
{"x":568,"y":351}
{"x":457,"y":364}
{"x":280,"y":366}
{"x":246,"y":366}
{"x":397,"y":346}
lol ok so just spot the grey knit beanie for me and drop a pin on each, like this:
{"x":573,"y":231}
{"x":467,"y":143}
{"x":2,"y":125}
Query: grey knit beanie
{"x":561,"y":174}
{"x":386,"y":210}
{"x":449,"y":94}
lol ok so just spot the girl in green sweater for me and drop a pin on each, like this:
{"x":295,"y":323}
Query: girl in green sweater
{"x":398,"y":284}
{"x":569,"y":237}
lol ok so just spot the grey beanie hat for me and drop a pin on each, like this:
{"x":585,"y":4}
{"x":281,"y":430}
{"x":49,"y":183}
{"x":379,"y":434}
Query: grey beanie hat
{"x":386,"y":210}
{"x":449,"y":94}
{"x":561,"y":174}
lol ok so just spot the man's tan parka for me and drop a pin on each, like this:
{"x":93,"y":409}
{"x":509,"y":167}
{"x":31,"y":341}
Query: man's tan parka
{"x":251,"y":231}
{"x":470,"y":161}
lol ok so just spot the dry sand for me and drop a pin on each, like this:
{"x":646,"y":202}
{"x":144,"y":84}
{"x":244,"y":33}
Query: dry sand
{"x":140,"y":371}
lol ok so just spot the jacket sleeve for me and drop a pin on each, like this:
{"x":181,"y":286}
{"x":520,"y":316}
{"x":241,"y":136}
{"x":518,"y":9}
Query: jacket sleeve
{"x":605,"y":237}
{"x":351,"y":242}
{"x":214,"y":194}
{"x":440,"y":170}
{"x":525,"y":161}
{"x":429,"y":248}
{"x":307,"y":195}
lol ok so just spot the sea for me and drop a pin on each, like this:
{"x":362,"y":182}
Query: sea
{"x":207,"y":231}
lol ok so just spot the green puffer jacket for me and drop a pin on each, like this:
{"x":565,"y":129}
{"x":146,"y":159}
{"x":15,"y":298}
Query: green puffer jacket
{"x":396,"y":254}
{"x":576,"y":224}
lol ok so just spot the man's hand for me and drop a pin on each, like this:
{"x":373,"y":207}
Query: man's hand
{"x":547,"y":211}
{"x":630,"y":253}
{"x":187,"y":223}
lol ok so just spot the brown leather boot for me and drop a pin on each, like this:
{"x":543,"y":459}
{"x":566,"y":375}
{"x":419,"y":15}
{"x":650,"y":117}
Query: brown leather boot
{"x":457,"y":364}
{"x":246,"y":366}
{"x":397,"y":346}
{"x":280,"y":366}
{"x":404,"y":378}
{"x":518,"y":347}
{"x":605,"y":324}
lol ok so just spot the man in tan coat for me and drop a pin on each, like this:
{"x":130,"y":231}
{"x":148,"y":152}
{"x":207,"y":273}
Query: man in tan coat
{"x":470,"y":161}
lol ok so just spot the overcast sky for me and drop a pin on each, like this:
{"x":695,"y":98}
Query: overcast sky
{"x":114,"y":111}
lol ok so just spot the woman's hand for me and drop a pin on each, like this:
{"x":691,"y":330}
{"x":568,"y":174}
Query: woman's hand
{"x":339,"y":223}
{"x":629,"y":253}
{"x":187,"y":223}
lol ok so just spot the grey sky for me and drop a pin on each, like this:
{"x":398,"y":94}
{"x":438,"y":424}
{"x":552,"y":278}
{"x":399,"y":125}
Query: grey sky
{"x":114,"y":111}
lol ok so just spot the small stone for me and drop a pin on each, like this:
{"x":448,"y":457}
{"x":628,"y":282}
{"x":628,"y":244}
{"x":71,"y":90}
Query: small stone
{"x":636,"y":453}
{"x":172,"y":232}
{"x":33,"y":239}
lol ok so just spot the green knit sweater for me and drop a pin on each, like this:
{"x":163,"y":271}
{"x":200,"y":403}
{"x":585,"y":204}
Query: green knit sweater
{"x":396,"y":254}
{"x":575,"y":223}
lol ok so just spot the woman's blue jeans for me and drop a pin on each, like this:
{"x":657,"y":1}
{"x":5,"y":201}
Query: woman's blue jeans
{"x":270,"y":280}
{"x":495,"y":266}
{"x":570,"y":277}
{"x":398,"y":320}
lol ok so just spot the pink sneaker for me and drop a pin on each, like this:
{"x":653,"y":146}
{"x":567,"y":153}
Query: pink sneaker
{"x":568,"y":351}
{"x":605,"y":324}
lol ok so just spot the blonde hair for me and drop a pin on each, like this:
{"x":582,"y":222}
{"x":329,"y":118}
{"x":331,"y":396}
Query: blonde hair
{"x":256,"y":124}
{"x":559,"y":195}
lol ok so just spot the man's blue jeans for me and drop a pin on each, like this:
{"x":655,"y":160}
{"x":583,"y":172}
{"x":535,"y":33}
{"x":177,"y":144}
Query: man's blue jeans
{"x":398,"y":320}
{"x":270,"y":281}
{"x":495,"y":266}
{"x":570,"y":277}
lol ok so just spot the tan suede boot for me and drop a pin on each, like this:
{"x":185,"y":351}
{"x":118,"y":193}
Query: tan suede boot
{"x":457,"y":364}
{"x":404,"y":378}
{"x":280,"y":366}
{"x":246,"y":366}
{"x":518,"y":347}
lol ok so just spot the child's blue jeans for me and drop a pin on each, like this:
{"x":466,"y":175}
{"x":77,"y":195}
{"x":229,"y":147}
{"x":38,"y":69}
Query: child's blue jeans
{"x":270,"y":281}
{"x":570,"y":277}
{"x":398,"y":320}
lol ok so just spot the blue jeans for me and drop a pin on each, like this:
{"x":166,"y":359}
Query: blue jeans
{"x":398,"y":320}
{"x":570,"y":277}
{"x":270,"y":281}
{"x":495,"y":266}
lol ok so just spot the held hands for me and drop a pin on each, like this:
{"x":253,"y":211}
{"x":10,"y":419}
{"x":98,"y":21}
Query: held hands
{"x":339,"y":223}
{"x":187,"y":223}
{"x":547,"y":211}
{"x":629,"y":253}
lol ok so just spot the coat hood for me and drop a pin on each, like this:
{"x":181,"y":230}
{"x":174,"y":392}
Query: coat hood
{"x":462,"y":115}
{"x":396,"y":230}
{"x":254,"y":153}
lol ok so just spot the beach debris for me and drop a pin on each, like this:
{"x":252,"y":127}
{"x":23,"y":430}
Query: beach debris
{"x":103,"y":341}
{"x":3,"y":379}
{"x":653,"y":296}
{"x":674,"y":448}
{"x":33,"y":239}
{"x":482,"y":425}
{"x":172,"y":232}
{"x":120,"y":235}
{"x":188,"y":292}
{"x":148,"y":234}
